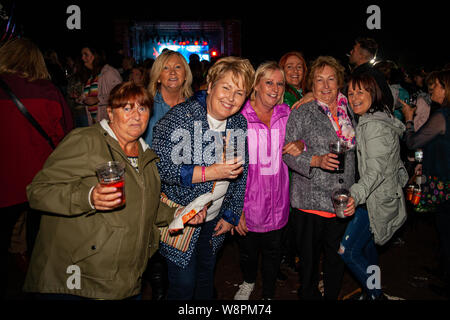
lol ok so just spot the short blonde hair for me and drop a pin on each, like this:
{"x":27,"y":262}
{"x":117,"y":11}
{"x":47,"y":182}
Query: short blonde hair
{"x":262,"y":71}
{"x":319,"y":64}
{"x":239,"y":67}
{"x":157,"y":69}
{"x":22,"y":57}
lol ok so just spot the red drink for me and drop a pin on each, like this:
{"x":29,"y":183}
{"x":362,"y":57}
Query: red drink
{"x":112,"y":174}
{"x":120,"y":185}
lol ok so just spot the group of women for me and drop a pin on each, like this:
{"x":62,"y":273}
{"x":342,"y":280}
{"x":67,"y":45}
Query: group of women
{"x":87,"y":226}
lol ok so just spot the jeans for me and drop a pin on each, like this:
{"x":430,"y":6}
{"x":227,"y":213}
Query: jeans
{"x":270,"y":245}
{"x":196,"y":281}
{"x":359,"y":252}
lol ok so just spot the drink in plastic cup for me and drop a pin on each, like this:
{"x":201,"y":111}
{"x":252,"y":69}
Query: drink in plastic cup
{"x":112,"y":174}
{"x":339,"y":148}
{"x":340,"y":199}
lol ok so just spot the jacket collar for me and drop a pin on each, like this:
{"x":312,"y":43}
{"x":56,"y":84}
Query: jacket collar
{"x":143,"y":145}
{"x":278,"y":113}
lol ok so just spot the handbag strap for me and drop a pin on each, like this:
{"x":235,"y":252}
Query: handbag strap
{"x":25,"y":112}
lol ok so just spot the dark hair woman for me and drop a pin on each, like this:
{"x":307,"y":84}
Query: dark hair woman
{"x":378,"y":194}
{"x":99,"y":81}
{"x":434,"y":138}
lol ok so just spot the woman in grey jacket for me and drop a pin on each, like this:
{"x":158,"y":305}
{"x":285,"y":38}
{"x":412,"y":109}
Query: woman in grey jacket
{"x":314,"y":177}
{"x":378,"y":194}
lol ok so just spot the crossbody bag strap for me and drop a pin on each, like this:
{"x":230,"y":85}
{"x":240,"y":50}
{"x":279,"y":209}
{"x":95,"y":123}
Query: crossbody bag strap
{"x":25,"y":112}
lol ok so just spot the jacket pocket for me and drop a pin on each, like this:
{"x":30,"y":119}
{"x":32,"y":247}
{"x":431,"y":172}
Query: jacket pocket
{"x":402,"y":175}
{"x":97,"y":257}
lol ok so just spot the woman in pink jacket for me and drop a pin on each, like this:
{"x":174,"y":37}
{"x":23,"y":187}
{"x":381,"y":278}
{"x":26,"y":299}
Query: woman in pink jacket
{"x":266,"y":204}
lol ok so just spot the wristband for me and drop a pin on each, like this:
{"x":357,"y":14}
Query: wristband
{"x":203,"y":174}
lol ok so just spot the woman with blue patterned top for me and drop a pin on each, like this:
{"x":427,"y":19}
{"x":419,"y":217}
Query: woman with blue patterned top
{"x":189,"y":140}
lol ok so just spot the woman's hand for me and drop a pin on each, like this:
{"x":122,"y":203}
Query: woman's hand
{"x":294,"y":148}
{"x":327,"y":161}
{"x":222,"y":171}
{"x":222,"y":227}
{"x":199,"y":218}
{"x":241,"y":228}
{"x":418,"y":170}
{"x":90,"y":101}
{"x":350,"y":207}
{"x":105,"y":198}
{"x":306,"y":98}
{"x":407,"y":110}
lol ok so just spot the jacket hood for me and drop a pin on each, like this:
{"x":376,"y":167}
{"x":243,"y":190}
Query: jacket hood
{"x":105,"y":126}
{"x":383,"y":117}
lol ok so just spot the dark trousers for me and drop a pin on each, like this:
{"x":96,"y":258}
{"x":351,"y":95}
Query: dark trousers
{"x":443,"y":230}
{"x":196,"y":281}
{"x":269,"y":244}
{"x":314,"y":235}
{"x":9,"y":216}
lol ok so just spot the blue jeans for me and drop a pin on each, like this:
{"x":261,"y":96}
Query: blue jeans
{"x":196,"y":281}
{"x":358,"y":249}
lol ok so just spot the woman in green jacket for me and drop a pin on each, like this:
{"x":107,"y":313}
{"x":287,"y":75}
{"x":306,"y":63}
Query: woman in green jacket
{"x":90,"y":244}
{"x":295,"y":69}
{"x":378,"y":194}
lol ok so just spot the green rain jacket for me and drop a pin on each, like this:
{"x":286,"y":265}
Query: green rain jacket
{"x":89,"y":253}
{"x":382,"y":173}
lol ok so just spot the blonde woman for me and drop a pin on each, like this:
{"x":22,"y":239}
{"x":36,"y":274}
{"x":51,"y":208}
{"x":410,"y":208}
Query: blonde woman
{"x":170,"y":84}
{"x":266,"y":203}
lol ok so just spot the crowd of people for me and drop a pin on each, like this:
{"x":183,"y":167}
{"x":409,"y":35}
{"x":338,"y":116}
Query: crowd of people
{"x":255,"y":140}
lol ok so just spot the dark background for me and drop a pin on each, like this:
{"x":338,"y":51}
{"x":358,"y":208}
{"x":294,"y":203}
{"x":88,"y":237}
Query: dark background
{"x":412,"y":33}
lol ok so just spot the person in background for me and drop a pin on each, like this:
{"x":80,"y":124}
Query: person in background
{"x":364,"y":50}
{"x":201,"y":170}
{"x":378,"y":194}
{"x":75,"y":86}
{"x":324,"y":120}
{"x":99,"y":78}
{"x":127,"y":65}
{"x":23,"y":69}
{"x":295,"y":69}
{"x":170,"y":84}
{"x":394,"y":76}
{"x":137,"y":75}
{"x":266,"y":204}
{"x":434,"y":138}
{"x":86,"y":224}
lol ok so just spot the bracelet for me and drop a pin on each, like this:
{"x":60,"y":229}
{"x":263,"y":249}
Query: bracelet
{"x":203,"y":174}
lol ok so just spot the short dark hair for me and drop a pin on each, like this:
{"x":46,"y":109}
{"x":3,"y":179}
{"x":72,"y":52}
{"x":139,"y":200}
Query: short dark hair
{"x":368,"y":83}
{"x":368,"y":44}
{"x":122,"y":93}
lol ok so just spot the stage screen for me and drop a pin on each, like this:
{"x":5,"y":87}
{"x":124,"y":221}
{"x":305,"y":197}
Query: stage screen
{"x":185,"y":48}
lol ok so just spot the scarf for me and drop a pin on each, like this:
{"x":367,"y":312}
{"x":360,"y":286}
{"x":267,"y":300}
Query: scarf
{"x":346,"y":132}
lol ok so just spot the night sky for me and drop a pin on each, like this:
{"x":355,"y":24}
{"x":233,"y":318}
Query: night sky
{"x":412,"y":33}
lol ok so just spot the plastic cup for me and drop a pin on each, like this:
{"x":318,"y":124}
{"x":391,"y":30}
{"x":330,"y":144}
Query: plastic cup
{"x":339,"y":148}
{"x":340,"y":199}
{"x":112,"y":174}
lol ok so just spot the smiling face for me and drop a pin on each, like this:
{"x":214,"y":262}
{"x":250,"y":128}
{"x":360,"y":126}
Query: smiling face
{"x":325,"y":85}
{"x":359,"y":98}
{"x":225,"y":97}
{"x":88,"y":58}
{"x":173,"y":74}
{"x":294,"y":71}
{"x":270,"y":89}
